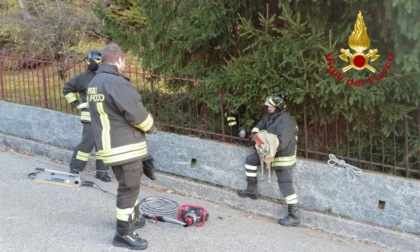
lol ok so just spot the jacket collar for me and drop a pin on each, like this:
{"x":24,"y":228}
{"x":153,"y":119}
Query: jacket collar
{"x":108,"y":68}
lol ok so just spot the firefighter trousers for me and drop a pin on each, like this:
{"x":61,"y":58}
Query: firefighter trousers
{"x":82,"y":152}
{"x":128,"y":176}
{"x":284,"y":176}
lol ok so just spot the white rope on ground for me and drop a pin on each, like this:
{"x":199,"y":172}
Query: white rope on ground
{"x":352,"y":171}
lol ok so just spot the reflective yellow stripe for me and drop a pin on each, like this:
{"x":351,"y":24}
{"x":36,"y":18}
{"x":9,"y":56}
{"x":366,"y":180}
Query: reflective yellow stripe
{"x":83,"y":156}
{"x":85,"y":116}
{"x":251,"y":174}
{"x":284,"y":161}
{"x":146,"y":124}
{"x":231,"y":121}
{"x":70,"y":97}
{"x":291,"y":199}
{"x":125,"y":156}
{"x":251,"y":167}
{"x":125,"y":214}
{"x":124,"y":152}
{"x":251,"y":170}
{"x":272,"y":103}
{"x":123,"y":149}
{"x":106,"y":137}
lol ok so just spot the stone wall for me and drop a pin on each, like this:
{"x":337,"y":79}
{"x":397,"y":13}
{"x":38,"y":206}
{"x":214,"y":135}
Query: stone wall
{"x":373,"y":198}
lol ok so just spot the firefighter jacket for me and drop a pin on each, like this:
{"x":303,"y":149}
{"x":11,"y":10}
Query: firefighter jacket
{"x":78,"y":84}
{"x":232,"y":118}
{"x":285,"y":128}
{"x":119,"y":118}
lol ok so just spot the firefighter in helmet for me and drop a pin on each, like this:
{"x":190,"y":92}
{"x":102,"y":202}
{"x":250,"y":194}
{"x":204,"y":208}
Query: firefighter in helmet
{"x":78,"y":85}
{"x":278,"y":122}
{"x":233,"y":118}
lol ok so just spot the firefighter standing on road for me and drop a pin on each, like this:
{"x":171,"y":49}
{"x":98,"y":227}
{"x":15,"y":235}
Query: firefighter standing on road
{"x":78,"y":85}
{"x":278,"y":122}
{"x":120,"y":122}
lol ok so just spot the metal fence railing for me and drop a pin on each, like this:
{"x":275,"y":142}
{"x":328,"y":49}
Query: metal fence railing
{"x":177,"y":107}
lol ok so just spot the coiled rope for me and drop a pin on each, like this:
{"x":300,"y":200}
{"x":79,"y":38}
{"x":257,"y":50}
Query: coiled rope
{"x":352,"y":171}
{"x":152,"y":204}
{"x":160,"y":205}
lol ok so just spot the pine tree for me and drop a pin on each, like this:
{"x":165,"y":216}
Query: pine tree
{"x":250,"y":49}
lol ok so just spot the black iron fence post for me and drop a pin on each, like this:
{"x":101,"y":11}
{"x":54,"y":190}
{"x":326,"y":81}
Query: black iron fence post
{"x":305,"y":131}
{"x":222,"y":97}
{"x":2,"y":96}
{"x":406,"y":148}
{"x":44,"y":85}
{"x":418,"y":127}
{"x":152,"y":89}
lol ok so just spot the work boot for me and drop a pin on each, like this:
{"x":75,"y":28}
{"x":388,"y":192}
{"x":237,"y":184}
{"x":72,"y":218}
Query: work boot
{"x":149,"y":169}
{"x":251,"y":190}
{"x":293,"y":218}
{"x":103,"y":175}
{"x":127,"y":238}
{"x":139,"y":220}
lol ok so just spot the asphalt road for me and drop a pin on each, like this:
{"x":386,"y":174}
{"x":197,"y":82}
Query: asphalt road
{"x":44,"y":217}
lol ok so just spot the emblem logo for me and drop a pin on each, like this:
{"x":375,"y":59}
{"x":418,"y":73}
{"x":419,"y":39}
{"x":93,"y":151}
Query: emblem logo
{"x":359,"y":41}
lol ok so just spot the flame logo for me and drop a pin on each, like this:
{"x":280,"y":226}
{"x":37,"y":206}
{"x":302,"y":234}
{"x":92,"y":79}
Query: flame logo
{"x":359,"y":41}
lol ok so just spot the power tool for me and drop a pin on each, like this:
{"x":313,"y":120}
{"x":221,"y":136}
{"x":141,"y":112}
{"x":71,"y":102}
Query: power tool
{"x":188,"y":215}
{"x":192,"y":215}
{"x":56,"y":177}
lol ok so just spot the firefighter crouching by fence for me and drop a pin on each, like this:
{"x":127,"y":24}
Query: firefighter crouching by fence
{"x":234,"y":118}
{"x":278,"y":122}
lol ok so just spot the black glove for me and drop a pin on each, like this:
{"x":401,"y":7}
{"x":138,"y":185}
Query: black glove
{"x":149,"y":169}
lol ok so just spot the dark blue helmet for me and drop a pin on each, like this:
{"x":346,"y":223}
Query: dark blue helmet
{"x":276,"y":100}
{"x":93,"y":60}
